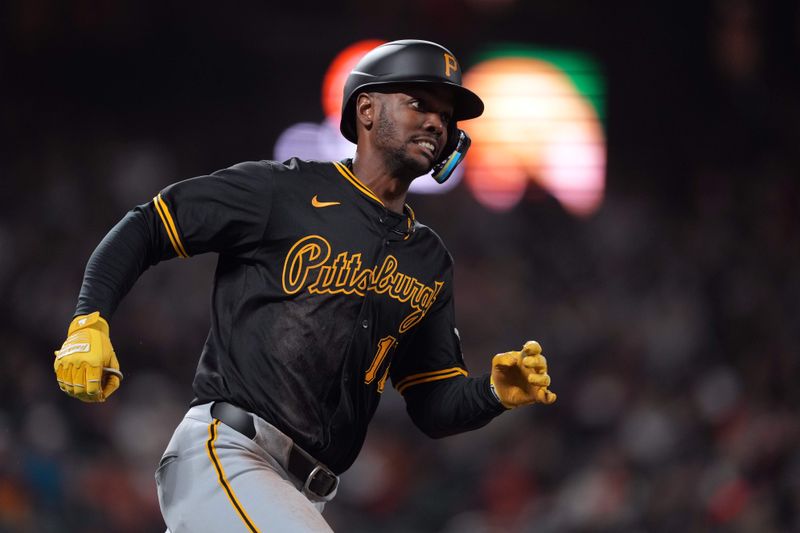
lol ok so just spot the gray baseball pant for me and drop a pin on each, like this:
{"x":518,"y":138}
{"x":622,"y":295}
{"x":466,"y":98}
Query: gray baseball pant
{"x":212,"y":478}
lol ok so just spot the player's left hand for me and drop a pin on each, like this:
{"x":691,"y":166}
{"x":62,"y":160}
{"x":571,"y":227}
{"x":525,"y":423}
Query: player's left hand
{"x":520,"y":377}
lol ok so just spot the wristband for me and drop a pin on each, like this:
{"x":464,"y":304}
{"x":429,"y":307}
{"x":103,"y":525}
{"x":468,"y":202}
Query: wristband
{"x":493,"y":390}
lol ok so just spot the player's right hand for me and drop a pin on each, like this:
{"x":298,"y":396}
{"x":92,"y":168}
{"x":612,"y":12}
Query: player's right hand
{"x":86,"y":366}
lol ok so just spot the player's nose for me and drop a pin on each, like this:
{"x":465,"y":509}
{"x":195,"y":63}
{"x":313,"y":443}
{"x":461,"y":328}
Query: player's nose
{"x":434,"y":124}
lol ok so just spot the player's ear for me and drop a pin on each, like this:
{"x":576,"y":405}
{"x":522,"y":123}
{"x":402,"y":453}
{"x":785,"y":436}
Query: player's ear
{"x":365,"y":109}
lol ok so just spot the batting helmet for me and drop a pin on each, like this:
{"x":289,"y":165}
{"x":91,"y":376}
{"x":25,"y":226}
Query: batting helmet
{"x":407,"y":61}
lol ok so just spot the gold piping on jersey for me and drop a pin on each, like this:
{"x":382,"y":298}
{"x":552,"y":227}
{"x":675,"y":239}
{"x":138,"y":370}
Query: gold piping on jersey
{"x":212,"y":454}
{"x":349,"y":176}
{"x":411,"y":218}
{"x":169,"y":226}
{"x":426,"y":377}
{"x":357,"y":183}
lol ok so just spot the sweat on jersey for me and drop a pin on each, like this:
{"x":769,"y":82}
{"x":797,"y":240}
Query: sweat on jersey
{"x":320,"y":295}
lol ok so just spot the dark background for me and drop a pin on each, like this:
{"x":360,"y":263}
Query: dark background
{"x":670,"y":318}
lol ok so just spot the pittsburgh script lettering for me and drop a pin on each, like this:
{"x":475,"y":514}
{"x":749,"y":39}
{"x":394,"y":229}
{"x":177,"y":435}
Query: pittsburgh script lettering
{"x":309,"y":265}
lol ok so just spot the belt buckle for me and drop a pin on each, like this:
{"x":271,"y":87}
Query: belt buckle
{"x":321,"y":469}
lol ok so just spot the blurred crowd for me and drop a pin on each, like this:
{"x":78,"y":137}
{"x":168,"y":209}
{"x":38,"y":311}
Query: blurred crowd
{"x":670,"y":319}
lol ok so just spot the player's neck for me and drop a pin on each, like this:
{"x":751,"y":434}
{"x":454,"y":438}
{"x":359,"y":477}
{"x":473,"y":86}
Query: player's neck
{"x":391,"y":189}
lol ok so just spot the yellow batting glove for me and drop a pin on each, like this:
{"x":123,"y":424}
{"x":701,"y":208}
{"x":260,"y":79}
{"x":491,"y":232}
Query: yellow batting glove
{"x":520,"y":378}
{"x":86,"y":366}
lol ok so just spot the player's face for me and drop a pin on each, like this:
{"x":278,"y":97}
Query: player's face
{"x":412,"y":127}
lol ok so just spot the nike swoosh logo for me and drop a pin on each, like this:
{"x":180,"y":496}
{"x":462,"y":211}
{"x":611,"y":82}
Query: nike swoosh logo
{"x":317,"y":203}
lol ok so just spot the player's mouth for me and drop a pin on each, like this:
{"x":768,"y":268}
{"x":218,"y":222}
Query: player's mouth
{"x":428,"y":147}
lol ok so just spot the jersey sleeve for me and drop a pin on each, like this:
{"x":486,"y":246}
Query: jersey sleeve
{"x":225,"y":212}
{"x":130,"y":248}
{"x":441,"y":398}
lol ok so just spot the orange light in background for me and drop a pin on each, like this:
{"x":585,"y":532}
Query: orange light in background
{"x":537,"y":126}
{"x":333,"y":84}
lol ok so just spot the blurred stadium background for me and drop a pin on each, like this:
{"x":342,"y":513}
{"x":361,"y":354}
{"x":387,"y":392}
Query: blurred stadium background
{"x":669,"y":308}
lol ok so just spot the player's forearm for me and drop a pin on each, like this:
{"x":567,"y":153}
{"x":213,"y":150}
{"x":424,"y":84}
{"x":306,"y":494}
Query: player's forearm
{"x":118,"y":261}
{"x":451,"y":406}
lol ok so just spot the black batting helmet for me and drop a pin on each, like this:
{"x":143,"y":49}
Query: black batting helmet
{"x":407,"y":61}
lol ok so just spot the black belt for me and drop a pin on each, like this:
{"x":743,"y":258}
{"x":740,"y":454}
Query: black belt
{"x":317,"y":478}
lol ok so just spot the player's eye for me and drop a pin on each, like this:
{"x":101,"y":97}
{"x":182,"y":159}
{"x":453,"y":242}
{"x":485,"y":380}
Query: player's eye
{"x":446,"y":118}
{"x":416,"y":104}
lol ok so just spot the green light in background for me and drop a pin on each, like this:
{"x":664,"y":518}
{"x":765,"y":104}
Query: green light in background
{"x":583,"y":71}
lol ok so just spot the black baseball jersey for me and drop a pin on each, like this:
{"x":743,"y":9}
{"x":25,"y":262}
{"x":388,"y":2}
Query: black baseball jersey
{"x":320,"y":295}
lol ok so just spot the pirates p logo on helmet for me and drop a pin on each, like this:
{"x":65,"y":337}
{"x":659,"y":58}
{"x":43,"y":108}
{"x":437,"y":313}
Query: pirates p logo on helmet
{"x":450,"y":64}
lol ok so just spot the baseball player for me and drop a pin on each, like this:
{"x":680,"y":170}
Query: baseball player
{"x":327,"y":286}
